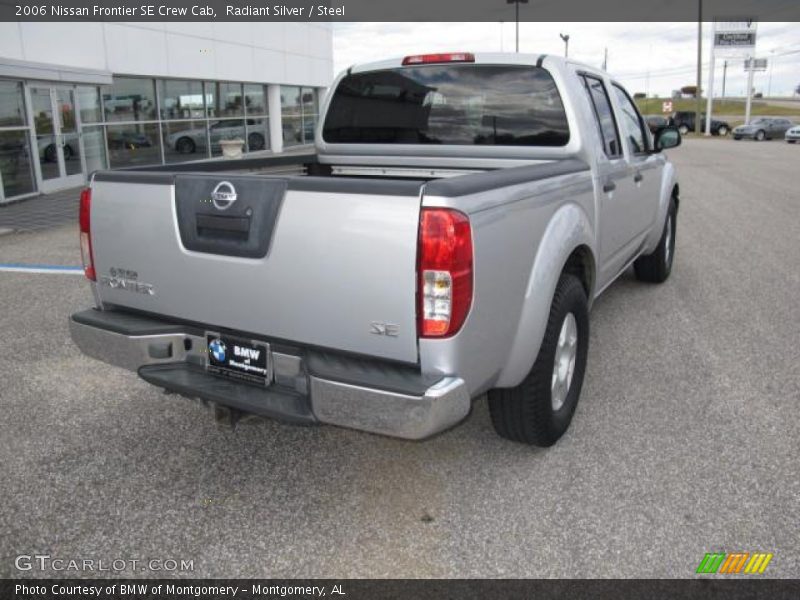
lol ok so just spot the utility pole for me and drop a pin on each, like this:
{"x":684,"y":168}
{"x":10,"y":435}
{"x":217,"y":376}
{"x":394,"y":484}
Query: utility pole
{"x":565,"y":37}
{"x":698,"y":109}
{"x":605,"y":60}
{"x":724,"y":75}
{"x":516,"y":4}
{"x":710,"y":90}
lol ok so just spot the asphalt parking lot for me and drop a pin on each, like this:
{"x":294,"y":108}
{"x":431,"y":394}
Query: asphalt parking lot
{"x":686,"y":440}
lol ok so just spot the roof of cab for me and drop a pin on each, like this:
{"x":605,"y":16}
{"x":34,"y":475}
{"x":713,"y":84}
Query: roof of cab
{"x":486,"y":58}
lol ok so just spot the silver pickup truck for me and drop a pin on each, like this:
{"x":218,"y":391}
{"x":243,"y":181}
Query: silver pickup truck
{"x":446,"y":239}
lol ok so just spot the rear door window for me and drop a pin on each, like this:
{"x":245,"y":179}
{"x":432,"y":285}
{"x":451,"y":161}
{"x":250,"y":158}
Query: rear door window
{"x":454,"y":104}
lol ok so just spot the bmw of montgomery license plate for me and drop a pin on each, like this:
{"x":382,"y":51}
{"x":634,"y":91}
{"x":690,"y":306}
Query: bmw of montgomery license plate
{"x":238,"y":358}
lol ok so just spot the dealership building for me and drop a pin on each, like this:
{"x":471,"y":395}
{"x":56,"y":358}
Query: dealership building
{"x":77,"y":97}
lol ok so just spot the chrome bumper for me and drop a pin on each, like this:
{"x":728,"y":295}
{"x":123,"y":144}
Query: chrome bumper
{"x":372,"y":409}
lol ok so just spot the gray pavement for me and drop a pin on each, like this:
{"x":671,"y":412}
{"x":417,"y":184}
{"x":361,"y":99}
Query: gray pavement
{"x":41,"y":212}
{"x":686,"y":439}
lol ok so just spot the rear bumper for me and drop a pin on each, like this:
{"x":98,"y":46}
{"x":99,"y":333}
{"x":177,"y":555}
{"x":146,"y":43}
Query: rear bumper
{"x":307,"y":388}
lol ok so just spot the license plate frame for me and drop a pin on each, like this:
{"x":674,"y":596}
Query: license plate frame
{"x":238,"y":358}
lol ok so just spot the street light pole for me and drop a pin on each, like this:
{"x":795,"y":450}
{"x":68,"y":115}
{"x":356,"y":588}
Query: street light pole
{"x":516,"y":4}
{"x":565,"y":37}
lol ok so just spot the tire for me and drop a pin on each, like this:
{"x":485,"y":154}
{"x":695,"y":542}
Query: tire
{"x":737,"y":137}
{"x":530,"y":413}
{"x":683,"y":129}
{"x":656,"y":267}
{"x":760,"y":136}
{"x":50,"y":153}
{"x":185,"y":145}
{"x":722,"y":130}
{"x":255,"y":141}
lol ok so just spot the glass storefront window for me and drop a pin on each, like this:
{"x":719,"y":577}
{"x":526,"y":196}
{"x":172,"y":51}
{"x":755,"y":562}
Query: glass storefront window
{"x":94,"y":148}
{"x":229,"y":129}
{"x":255,"y":100}
{"x":89,"y":104}
{"x":308,"y":97}
{"x":184,"y":140}
{"x":225,"y":99}
{"x":130,"y":99}
{"x":257,"y":135}
{"x":292,"y":115}
{"x":181,"y":99}
{"x":12,"y":107}
{"x":15,"y":163}
{"x":133,"y":144}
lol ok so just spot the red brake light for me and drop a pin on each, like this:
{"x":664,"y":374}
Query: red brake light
{"x":86,"y":234}
{"x":444,"y":272}
{"x":448,"y":57}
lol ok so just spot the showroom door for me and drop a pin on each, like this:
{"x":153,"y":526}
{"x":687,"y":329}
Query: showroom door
{"x":57,"y":135}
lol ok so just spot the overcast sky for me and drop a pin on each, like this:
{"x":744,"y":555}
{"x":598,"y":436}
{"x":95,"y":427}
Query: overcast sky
{"x":647,"y":57}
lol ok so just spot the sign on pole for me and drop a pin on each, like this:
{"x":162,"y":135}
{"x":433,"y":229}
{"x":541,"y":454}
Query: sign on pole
{"x":666,"y":106}
{"x":731,"y":39}
{"x":755,"y":64}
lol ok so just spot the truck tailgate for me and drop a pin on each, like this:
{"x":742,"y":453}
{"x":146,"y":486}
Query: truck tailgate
{"x":314,"y":261}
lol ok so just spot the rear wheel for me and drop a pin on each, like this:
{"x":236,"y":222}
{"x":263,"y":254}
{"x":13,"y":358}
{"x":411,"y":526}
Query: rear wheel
{"x":722,"y":130}
{"x":760,"y":135}
{"x":185,"y":145}
{"x":683,"y":129}
{"x":539,"y":410}
{"x":255,"y":141}
{"x":656,"y":267}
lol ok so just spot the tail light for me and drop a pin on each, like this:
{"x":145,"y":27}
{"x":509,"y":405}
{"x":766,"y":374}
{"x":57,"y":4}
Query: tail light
{"x":86,"y":234}
{"x":444,"y":272}
{"x":449,"y":57}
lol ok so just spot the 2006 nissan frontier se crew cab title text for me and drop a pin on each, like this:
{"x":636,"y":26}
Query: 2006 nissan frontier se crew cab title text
{"x":447,"y":238}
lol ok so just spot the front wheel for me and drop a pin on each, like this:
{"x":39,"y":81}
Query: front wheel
{"x":722,"y":130}
{"x":760,"y":135}
{"x":683,"y":129}
{"x":656,"y":267}
{"x":539,"y":410}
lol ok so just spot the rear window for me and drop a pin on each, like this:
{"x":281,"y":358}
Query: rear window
{"x":448,"y":104}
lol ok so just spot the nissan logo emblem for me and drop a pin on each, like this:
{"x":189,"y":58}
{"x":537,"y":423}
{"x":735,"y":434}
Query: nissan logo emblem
{"x":224,"y":195}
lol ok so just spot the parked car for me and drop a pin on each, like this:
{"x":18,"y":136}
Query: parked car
{"x":450,"y":234}
{"x":685,"y":122}
{"x":188,"y":141}
{"x":48,"y":151}
{"x":763,"y":128}
{"x":793,"y":134}
{"x":656,"y":122}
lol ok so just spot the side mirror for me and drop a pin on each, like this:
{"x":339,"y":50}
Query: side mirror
{"x":666,"y":137}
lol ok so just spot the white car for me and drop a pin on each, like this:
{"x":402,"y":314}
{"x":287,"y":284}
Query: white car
{"x":793,"y":134}
{"x":189,"y":141}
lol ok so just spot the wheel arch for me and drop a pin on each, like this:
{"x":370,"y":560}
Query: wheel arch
{"x":568,"y":245}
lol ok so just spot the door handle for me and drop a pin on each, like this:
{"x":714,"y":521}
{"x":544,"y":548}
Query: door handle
{"x":638,"y":177}
{"x":609,"y":186}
